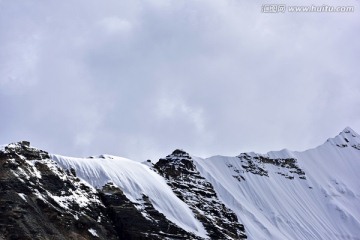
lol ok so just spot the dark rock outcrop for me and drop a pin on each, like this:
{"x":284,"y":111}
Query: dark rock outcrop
{"x":137,"y":222}
{"x":287,"y":167}
{"x":187,"y":183}
{"x":38,"y":200}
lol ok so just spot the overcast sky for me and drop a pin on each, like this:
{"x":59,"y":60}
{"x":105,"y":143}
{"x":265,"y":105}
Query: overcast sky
{"x":139,"y":78}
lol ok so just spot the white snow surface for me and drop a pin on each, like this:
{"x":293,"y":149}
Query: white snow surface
{"x":324,"y":206}
{"x":93,"y":232}
{"x":23,"y":196}
{"x":134,"y":179}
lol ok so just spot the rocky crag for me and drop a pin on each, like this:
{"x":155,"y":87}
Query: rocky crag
{"x":188,"y":184}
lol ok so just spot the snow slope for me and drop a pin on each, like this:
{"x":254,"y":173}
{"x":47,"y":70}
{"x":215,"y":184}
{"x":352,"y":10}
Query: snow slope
{"x":314,"y":194}
{"x":134,"y":179}
{"x":325,"y":205}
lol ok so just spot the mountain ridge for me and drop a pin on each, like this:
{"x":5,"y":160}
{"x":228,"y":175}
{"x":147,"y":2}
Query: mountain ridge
{"x":313,"y":194}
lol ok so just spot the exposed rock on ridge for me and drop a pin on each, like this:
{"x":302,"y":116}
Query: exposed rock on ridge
{"x":259,"y":164}
{"x":187,"y":183}
{"x":40,"y":201}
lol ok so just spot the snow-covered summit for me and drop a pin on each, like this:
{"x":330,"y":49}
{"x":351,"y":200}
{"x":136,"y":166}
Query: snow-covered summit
{"x":313,"y":194}
{"x":346,"y":138}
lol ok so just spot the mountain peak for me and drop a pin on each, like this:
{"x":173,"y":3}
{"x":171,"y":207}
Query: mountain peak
{"x":346,"y":138}
{"x":178,"y":153}
{"x":24,"y":149}
{"x":349,"y":130}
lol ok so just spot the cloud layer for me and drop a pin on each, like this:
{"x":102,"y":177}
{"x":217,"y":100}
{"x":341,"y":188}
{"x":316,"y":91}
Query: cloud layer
{"x":140,"y":78}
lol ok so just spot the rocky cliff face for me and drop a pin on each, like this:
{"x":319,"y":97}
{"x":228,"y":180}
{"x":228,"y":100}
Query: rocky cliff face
{"x":41,"y":200}
{"x":188,"y":184}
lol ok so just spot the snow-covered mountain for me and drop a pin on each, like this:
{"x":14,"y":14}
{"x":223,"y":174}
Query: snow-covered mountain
{"x":314,"y":194}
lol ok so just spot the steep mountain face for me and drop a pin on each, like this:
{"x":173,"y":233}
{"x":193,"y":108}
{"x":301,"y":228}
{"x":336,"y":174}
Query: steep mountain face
{"x":141,"y":190}
{"x":188,"y":184}
{"x":138,"y":221}
{"x":313,"y":194}
{"x":40,"y":200}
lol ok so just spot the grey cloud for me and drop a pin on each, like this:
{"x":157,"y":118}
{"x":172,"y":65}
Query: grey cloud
{"x":138,"y":79}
